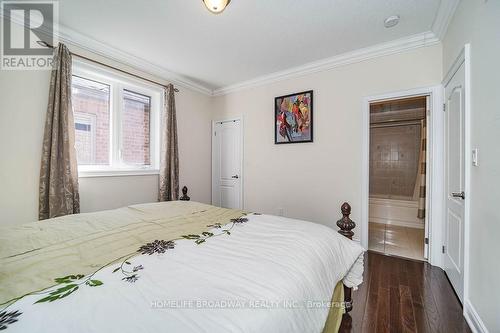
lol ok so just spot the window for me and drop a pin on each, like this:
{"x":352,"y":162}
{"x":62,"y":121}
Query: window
{"x":91,"y":112}
{"x":116,"y":122}
{"x":136,"y":129}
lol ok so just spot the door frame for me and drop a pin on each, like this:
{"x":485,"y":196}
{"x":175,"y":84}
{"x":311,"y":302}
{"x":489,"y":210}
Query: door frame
{"x":464,"y":58}
{"x":435,"y":166}
{"x":242,"y":175}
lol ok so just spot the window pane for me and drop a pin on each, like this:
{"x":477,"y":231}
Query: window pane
{"x":136,"y":128}
{"x":91,"y":111}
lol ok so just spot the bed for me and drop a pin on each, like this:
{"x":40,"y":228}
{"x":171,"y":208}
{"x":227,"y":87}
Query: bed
{"x":177,"y":266}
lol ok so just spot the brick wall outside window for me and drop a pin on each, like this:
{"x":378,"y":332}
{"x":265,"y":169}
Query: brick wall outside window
{"x":91,"y":107}
{"x":136,"y":129}
{"x":89,"y":102}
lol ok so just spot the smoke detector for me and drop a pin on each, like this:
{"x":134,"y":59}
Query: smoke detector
{"x":391,"y":21}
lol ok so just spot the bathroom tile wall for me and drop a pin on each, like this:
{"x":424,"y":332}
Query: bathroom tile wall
{"x":394,"y":153}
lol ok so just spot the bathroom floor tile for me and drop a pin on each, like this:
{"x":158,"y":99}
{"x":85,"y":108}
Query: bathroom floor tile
{"x":377,"y":247}
{"x":396,"y":240}
{"x":377,"y":226}
{"x":376,"y":237}
{"x":399,"y":251}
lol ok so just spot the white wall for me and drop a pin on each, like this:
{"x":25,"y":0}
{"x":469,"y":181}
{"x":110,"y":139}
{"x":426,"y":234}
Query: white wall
{"x":311,"y":180}
{"x":23,"y":102}
{"x":478,"y":22}
{"x":194,"y":126}
{"x":101,"y":193}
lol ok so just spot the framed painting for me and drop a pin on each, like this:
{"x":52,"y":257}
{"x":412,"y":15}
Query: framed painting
{"x":293,"y":118}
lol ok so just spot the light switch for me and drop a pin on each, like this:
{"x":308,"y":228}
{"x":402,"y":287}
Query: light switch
{"x":475,"y":161}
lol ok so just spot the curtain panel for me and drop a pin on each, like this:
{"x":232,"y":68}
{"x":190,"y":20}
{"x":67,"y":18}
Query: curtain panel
{"x":58,"y":173}
{"x":169,"y":153}
{"x":420,"y":184}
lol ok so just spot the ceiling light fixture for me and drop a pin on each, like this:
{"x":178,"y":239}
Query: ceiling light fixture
{"x":391,"y":21}
{"x":216,"y":6}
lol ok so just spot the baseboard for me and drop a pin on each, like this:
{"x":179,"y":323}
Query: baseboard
{"x":396,"y":222}
{"x":473,"y":319}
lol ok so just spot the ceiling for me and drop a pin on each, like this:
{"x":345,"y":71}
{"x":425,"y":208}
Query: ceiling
{"x":250,"y":39}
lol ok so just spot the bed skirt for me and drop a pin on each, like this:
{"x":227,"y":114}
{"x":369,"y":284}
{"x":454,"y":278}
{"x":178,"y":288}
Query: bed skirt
{"x":334,"y":318}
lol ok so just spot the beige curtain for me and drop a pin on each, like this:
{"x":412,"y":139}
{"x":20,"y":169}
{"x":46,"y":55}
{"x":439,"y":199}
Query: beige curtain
{"x":169,"y":155}
{"x":58,"y":173}
{"x":420,"y":187}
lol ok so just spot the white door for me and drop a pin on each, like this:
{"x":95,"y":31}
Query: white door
{"x":455,"y":180}
{"x":226,"y":164}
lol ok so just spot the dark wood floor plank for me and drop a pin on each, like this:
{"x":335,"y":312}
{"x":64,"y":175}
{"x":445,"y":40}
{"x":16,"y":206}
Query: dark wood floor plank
{"x":416,"y":287}
{"x":370,"y":316}
{"x":407,"y":313}
{"x":428,"y":300}
{"x":399,"y":295}
{"x":394,"y":306}
{"x":383,"y":302}
{"x":383,"y":314}
{"x":449,"y":307}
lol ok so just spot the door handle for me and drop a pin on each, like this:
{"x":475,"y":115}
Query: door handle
{"x":235,"y":177}
{"x":458,"y":194}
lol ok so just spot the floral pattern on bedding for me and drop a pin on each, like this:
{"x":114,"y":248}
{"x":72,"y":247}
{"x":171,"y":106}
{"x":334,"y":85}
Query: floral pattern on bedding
{"x":7,"y":318}
{"x":67,"y":285}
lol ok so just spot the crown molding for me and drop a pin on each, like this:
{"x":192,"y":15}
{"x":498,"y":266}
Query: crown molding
{"x":74,"y":38}
{"x":84,"y":42}
{"x":379,"y":50}
{"x":443,"y":17}
{"x":441,"y":22}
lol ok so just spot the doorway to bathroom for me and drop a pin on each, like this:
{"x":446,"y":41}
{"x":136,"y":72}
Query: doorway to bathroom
{"x":398,"y":153}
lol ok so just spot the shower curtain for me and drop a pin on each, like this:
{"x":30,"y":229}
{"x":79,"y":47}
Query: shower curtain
{"x":420,"y":189}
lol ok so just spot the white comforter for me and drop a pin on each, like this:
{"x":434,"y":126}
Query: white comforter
{"x":271,"y":274}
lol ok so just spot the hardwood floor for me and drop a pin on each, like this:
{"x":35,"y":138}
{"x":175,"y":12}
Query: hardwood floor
{"x":400,"y":295}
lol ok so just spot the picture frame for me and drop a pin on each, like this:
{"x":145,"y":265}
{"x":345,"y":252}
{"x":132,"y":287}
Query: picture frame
{"x":293,"y":118}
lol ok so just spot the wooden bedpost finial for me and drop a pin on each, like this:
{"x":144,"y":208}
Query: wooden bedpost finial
{"x":185,"y":197}
{"x":345,"y":223}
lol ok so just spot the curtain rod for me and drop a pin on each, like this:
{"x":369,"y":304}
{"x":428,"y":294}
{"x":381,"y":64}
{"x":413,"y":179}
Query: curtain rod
{"x":395,"y":123}
{"x":43,"y":43}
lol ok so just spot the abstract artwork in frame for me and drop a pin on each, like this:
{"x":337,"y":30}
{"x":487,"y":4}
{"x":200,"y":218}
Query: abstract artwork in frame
{"x":293,"y":118}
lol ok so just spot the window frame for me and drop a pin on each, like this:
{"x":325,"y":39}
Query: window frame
{"x":119,"y":82}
